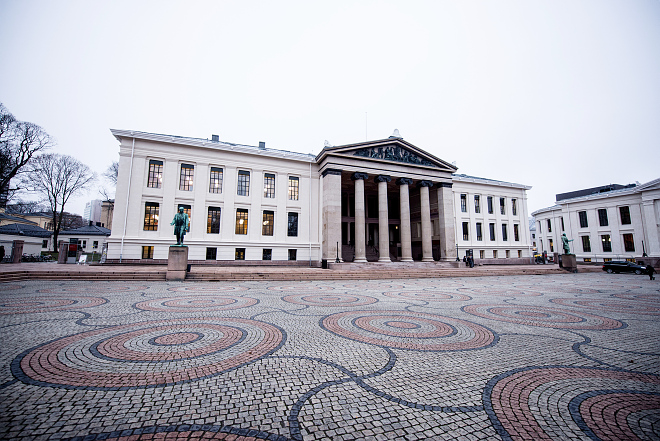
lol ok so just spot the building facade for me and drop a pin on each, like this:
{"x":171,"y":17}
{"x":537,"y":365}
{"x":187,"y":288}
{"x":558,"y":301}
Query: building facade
{"x":93,"y":211}
{"x":384,"y":200}
{"x":605,"y":223}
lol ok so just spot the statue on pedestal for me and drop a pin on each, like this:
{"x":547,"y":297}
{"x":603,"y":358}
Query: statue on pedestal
{"x":181,"y":223}
{"x":565,"y":240}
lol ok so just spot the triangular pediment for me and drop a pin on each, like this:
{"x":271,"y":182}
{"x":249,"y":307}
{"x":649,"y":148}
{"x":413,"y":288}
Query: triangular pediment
{"x":392,"y":150}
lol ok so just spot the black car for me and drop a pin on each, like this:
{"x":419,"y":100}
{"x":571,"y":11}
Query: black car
{"x":623,"y":267}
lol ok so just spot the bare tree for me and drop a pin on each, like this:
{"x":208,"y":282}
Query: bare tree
{"x":56,"y":178}
{"x":112,"y":172}
{"x":25,"y":207}
{"x":19,"y":142}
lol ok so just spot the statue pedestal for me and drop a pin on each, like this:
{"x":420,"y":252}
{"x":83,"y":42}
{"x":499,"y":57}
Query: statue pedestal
{"x":177,"y":263}
{"x":568,"y":262}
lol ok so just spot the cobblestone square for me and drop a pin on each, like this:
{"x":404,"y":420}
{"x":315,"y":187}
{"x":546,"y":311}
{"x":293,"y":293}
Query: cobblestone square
{"x":555,"y":357}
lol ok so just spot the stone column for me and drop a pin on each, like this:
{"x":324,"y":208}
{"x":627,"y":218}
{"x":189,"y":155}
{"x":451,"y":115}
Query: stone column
{"x":383,"y":219}
{"x":331,"y":214}
{"x":427,"y":231}
{"x":651,"y":222}
{"x":446,"y":219}
{"x":360,"y":239}
{"x":404,"y":198}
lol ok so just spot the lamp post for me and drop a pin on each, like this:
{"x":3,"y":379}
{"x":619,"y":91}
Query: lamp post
{"x":337,"y":259}
{"x":457,"y":259}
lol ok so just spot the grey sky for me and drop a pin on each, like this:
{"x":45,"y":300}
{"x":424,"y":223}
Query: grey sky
{"x":559,"y":95}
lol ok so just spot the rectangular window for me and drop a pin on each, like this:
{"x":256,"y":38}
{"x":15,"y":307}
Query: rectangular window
{"x":607,"y":243}
{"x":269,"y":185}
{"x":491,"y":230}
{"x":95,"y":244}
{"x":186,"y":209}
{"x":213,"y":221}
{"x":587,"y":259}
{"x":482,"y":254}
{"x":466,"y":230}
{"x":215,"y":183}
{"x":625,"y":215}
{"x":519,"y":254}
{"x":514,"y":207}
{"x":151,"y":216}
{"x":507,"y":254}
{"x":489,"y":200}
{"x":155,"y":179}
{"x":293,"y":188}
{"x":552,"y":246}
{"x":502,"y":206}
{"x":602,"y":217}
{"x":628,"y":242}
{"x":516,"y":232}
{"x":211,"y":253}
{"x":479,"y":235}
{"x":549,"y":226}
{"x":477,"y":202}
{"x":292,"y":254}
{"x":148,"y":252}
{"x":239,"y":254}
{"x":583,"y":219}
{"x":243,"y":187}
{"x":268,"y":223}
{"x":292,"y":229}
{"x":494,"y":254}
{"x":561,"y":219}
{"x":44,"y":244}
{"x":241,"y":221}
{"x":186,"y":179}
{"x":586,"y":244}
{"x":504,"y":232}
{"x":464,"y":203}
{"x":267,"y":254}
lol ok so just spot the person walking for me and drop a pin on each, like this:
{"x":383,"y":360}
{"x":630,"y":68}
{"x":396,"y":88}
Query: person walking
{"x":650,"y":270}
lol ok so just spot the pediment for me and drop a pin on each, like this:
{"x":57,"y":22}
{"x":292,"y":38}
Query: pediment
{"x":393,"y":150}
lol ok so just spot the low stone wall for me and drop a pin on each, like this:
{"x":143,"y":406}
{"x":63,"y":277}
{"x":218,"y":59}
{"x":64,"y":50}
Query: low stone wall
{"x":260,"y":263}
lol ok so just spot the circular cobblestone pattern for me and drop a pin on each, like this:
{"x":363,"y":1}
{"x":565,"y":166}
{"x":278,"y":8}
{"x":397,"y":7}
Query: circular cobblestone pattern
{"x":201,"y":303}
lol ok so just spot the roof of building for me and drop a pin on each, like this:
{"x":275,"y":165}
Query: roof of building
{"x":221,"y":145}
{"x":467,"y":178}
{"x":25,"y":230}
{"x":87,"y":230}
{"x":593,"y":190}
{"x":9,"y":217}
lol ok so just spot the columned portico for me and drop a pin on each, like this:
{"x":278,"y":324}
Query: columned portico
{"x":360,"y":243}
{"x":383,"y":220}
{"x":427,"y":232}
{"x":404,"y":202}
{"x":375,"y":220}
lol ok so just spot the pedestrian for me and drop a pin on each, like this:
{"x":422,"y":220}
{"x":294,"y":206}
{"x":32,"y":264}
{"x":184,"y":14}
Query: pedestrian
{"x":2,"y":252}
{"x":650,"y":270}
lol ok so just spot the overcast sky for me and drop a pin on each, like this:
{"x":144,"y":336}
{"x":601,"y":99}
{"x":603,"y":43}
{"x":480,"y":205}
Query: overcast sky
{"x":559,"y":95}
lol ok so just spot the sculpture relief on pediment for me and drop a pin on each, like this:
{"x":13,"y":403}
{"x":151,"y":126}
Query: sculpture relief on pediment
{"x":393,"y":153}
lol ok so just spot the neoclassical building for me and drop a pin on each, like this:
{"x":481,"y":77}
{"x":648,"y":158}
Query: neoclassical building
{"x":611,"y":222}
{"x":385,"y":200}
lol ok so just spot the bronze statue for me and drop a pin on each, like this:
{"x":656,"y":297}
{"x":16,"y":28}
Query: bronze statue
{"x":181,"y":224}
{"x":565,"y":240}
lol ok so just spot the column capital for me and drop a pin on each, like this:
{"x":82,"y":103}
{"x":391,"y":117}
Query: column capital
{"x":404,"y":181}
{"x":358,"y":175}
{"x":330,"y":171}
{"x":382,"y":178}
{"x":425,"y":184}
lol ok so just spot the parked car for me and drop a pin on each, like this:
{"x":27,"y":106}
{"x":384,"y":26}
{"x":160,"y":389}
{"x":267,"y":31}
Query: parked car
{"x":623,"y":267}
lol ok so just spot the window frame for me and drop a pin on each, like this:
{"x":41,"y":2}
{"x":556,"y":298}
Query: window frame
{"x":270,"y":227}
{"x":292,"y":228}
{"x":463,"y":203}
{"x":149,"y":252}
{"x":216,"y":175}
{"x":466,"y":231}
{"x":491,"y":232}
{"x":586,"y":244}
{"x":243,"y":183}
{"x":269,"y":185}
{"x":242,"y":227}
{"x":505,"y":233}
{"x":477,"y":204}
{"x":628,"y":245}
{"x":213,"y":220}
{"x":603,"y":220}
{"x":294,"y":188}
{"x":503,"y":206}
{"x":151,"y":215}
{"x":583,"y":219}
{"x":187,"y":178}
{"x":606,"y":239}
{"x":155,"y":173}
{"x":489,"y":202}
{"x":479,"y":232}
{"x":625,"y":217}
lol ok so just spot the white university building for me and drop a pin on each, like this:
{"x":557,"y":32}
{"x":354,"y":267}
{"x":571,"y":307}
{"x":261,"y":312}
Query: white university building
{"x":385,"y":200}
{"x":612,"y":222}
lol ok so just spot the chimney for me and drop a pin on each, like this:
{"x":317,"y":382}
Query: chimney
{"x":215,"y":138}
{"x":262,"y":145}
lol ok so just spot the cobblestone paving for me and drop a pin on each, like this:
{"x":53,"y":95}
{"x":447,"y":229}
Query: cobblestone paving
{"x":574,"y":356}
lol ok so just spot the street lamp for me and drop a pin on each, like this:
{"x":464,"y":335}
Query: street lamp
{"x":457,"y":259}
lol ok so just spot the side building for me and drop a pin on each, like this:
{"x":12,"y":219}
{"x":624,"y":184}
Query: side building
{"x":612,"y":222}
{"x":384,"y":200}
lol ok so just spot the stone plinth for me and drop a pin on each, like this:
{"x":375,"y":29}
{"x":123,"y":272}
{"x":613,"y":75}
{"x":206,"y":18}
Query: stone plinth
{"x":569,"y":262}
{"x":177,"y":263}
